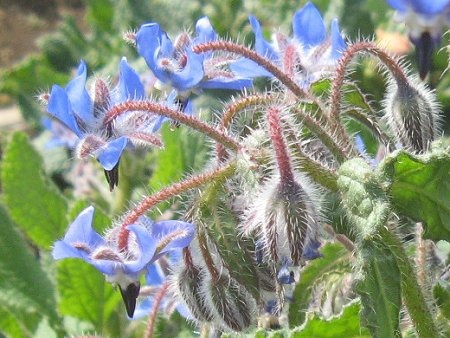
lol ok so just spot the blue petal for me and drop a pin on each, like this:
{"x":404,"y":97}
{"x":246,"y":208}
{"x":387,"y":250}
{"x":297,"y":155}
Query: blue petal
{"x":191,"y":74}
{"x":308,"y":26}
{"x":205,"y":32}
{"x":162,"y":229}
{"x":147,"y":247}
{"x":338,"y":44}
{"x":428,"y":7}
{"x":154,"y":275}
{"x":130,"y":85}
{"x":248,"y":68}
{"x":110,"y":155}
{"x":143,"y":308}
{"x":310,"y":251}
{"x":78,"y":96}
{"x":59,"y":106}
{"x":227,"y":83}
{"x":261,"y":45}
{"x":150,"y":41}
{"x":79,"y":232}
{"x":400,"y":5}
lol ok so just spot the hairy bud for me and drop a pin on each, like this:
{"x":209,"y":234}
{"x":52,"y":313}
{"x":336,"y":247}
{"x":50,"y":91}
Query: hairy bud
{"x":233,"y":306}
{"x":413,"y":115}
{"x":286,"y":221}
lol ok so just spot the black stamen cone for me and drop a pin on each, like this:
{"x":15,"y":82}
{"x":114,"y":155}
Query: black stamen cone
{"x":112,"y":177}
{"x":129,"y":296}
{"x":424,"y":51}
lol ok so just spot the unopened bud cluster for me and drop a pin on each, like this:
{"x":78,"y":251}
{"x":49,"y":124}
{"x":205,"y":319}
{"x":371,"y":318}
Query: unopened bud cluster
{"x":254,"y":219}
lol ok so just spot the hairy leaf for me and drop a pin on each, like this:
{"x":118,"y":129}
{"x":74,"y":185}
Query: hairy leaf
{"x":380,"y":289}
{"x":84,"y":294}
{"x":421,"y":189}
{"x":25,"y":290}
{"x":345,"y":325}
{"x":334,"y":259}
{"x":34,"y":203}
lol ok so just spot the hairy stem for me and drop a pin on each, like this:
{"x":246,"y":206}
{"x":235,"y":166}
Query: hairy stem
{"x":254,"y":56}
{"x":152,"y":317}
{"x":162,"y":110}
{"x":175,"y":189}
{"x":347,"y":56}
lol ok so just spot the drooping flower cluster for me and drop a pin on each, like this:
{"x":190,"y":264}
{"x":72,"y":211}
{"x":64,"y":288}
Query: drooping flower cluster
{"x":255,"y":220}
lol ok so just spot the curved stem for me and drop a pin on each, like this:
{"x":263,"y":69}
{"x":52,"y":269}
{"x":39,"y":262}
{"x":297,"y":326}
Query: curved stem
{"x":159,"y":109}
{"x":175,"y":189}
{"x":347,"y":56}
{"x":152,"y":317}
{"x":260,"y":60}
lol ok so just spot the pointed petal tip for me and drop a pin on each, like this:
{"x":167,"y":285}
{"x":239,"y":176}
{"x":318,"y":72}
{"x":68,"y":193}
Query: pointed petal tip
{"x":129,"y":296}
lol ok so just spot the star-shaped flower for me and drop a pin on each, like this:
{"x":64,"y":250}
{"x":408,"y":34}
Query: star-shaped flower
{"x":177,"y":67}
{"x":147,"y":242}
{"x":84,"y":115}
{"x":307,"y":56}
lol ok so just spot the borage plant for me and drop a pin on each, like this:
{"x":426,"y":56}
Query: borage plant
{"x":318,"y":212}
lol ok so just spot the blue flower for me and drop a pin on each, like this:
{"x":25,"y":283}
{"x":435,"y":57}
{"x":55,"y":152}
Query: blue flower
{"x":83,"y":115}
{"x":425,"y":20}
{"x":178,"y":67}
{"x":155,"y":278}
{"x":307,"y":56}
{"x":147,"y":242}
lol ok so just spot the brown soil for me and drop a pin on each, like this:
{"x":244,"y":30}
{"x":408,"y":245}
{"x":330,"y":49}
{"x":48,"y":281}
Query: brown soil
{"x":22,"y":22}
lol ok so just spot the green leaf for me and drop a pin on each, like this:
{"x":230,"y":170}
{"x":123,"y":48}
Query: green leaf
{"x":10,"y":326}
{"x":33,"y":201}
{"x":441,"y":293}
{"x":345,"y":325}
{"x":84,"y":293}
{"x":169,"y":161}
{"x":380,"y":289}
{"x":334,"y":260}
{"x":25,"y":290}
{"x":421,"y":189}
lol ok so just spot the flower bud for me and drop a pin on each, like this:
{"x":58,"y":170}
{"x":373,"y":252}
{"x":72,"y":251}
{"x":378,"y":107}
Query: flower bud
{"x":233,"y":307}
{"x":286,"y":221}
{"x":187,"y":285}
{"x":413,"y":114}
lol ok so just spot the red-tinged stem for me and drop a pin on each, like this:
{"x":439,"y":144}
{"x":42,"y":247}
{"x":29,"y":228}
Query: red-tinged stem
{"x":347,"y":56}
{"x":156,"y":303}
{"x":232,"y":110}
{"x":254,"y":56}
{"x":175,"y":189}
{"x":159,"y":109}
{"x":279,"y":145}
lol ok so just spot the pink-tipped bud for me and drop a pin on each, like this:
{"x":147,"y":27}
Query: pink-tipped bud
{"x":43,"y":98}
{"x":413,"y":115}
{"x":286,"y":220}
{"x":130,"y":37}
